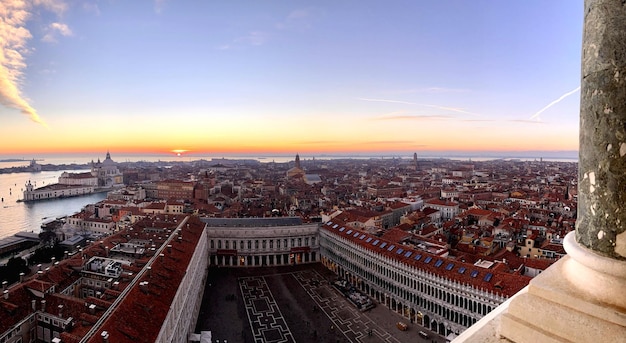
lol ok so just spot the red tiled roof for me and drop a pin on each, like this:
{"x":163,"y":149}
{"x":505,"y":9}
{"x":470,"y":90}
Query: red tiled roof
{"x":138,"y":318}
{"x":508,"y":283}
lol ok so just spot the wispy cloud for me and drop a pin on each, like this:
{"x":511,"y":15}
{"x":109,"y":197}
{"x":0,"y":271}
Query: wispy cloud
{"x":432,"y":90}
{"x":158,"y":5}
{"x":387,"y":100}
{"x":91,"y":8}
{"x":254,"y":38}
{"x":57,"y":7}
{"x":527,"y":121}
{"x":299,"y":18}
{"x":413,"y":117}
{"x":387,"y":142}
{"x":452,"y":109}
{"x":298,"y":14}
{"x":55,"y":29}
{"x":477,"y":120}
{"x":443,"y":108}
{"x":13,"y":39}
{"x":536,"y":115}
{"x":319,"y":142}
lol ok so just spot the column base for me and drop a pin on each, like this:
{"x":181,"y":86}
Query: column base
{"x":570,"y":302}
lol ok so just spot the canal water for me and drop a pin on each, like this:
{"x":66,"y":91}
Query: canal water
{"x":28,"y":216}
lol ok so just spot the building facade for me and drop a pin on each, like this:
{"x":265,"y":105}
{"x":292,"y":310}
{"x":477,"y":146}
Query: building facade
{"x":440,"y":293}
{"x":54,"y":191}
{"x":261,"y":241}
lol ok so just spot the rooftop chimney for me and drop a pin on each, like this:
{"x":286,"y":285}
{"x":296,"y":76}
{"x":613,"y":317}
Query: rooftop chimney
{"x":43,"y":306}
{"x":105,"y":337}
{"x":6,"y":295}
{"x":60,"y":311}
{"x":4,"y":285}
{"x":144,"y":286}
{"x":33,"y":305}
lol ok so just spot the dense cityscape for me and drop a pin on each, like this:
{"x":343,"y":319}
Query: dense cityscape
{"x":423,"y":247}
{"x":438,"y":242}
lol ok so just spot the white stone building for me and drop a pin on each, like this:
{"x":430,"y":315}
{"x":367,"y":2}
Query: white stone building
{"x":261,"y":241}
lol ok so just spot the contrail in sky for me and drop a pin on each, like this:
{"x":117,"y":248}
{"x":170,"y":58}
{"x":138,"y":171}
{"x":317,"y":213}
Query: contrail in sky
{"x":13,"y":38}
{"x":555,"y":102}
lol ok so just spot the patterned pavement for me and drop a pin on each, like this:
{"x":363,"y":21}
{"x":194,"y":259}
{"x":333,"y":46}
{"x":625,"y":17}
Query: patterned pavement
{"x":293,"y":304}
{"x":266,"y":320}
{"x":354,"y":324}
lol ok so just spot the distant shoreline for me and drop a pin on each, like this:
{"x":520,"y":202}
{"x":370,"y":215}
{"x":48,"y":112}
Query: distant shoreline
{"x":44,"y":167}
{"x":19,"y":160}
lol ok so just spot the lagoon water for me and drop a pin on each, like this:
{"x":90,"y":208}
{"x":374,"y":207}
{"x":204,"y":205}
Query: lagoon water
{"x":20,"y":216}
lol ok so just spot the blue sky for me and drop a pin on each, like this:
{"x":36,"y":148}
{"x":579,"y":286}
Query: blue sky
{"x":280,"y":76}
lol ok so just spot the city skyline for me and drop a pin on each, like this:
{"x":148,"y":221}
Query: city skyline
{"x":284,"y":77}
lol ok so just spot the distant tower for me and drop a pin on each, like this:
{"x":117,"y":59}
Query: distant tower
{"x":298,"y":161}
{"x":296,"y":172}
{"x":415,"y":160}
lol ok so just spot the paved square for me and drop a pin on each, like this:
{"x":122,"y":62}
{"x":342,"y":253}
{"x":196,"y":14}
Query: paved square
{"x":292,"y":304}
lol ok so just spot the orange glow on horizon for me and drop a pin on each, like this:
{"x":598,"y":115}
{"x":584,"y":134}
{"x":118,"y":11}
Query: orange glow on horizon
{"x":311,"y":143}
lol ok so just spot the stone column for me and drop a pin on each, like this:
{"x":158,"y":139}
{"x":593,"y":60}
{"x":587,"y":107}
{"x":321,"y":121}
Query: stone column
{"x":599,"y":249}
{"x":581,"y":297}
{"x":601,"y":223}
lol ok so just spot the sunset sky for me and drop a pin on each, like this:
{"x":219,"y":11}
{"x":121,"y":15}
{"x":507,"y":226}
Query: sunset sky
{"x":313,"y":77}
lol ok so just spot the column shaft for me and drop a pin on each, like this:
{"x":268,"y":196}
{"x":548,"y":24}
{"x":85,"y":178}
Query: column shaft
{"x":601,"y":223}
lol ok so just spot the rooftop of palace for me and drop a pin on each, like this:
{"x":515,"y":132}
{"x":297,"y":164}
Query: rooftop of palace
{"x":252,"y":222}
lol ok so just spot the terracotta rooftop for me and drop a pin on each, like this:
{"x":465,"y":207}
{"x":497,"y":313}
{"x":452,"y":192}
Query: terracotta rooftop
{"x":506,"y":284}
{"x":139,"y":317}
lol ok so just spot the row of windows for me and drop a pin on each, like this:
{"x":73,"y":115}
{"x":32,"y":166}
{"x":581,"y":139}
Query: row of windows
{"x":263,"y":244}
{"x":407,"y":287}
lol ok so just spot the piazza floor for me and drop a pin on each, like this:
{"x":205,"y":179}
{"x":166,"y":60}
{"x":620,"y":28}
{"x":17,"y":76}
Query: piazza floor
{"x":293,"y":304}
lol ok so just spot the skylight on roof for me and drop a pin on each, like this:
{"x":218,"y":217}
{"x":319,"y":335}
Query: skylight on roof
{"x":362,"y":236}
{"x":488,"y":277}
{"x":375,"y":242}
{"x":462,"y":270}
{"x":408,"y":254}
{"x":335,"y":226}
{"x":369,"y":239}
{"x":474,"y":273}
{"x":438,"y":263}
{"x":391,"y":247}
{"x":349,"y":232}
{"x":399,"y":251}
{"x":329,"y":223}
{"x":383,"y":244}
{"x":417,"y":257}
{"x":356,"y":234}
{"x":342,"y":228}
{"x":450,"y":266}
{"x":428,"y":259}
